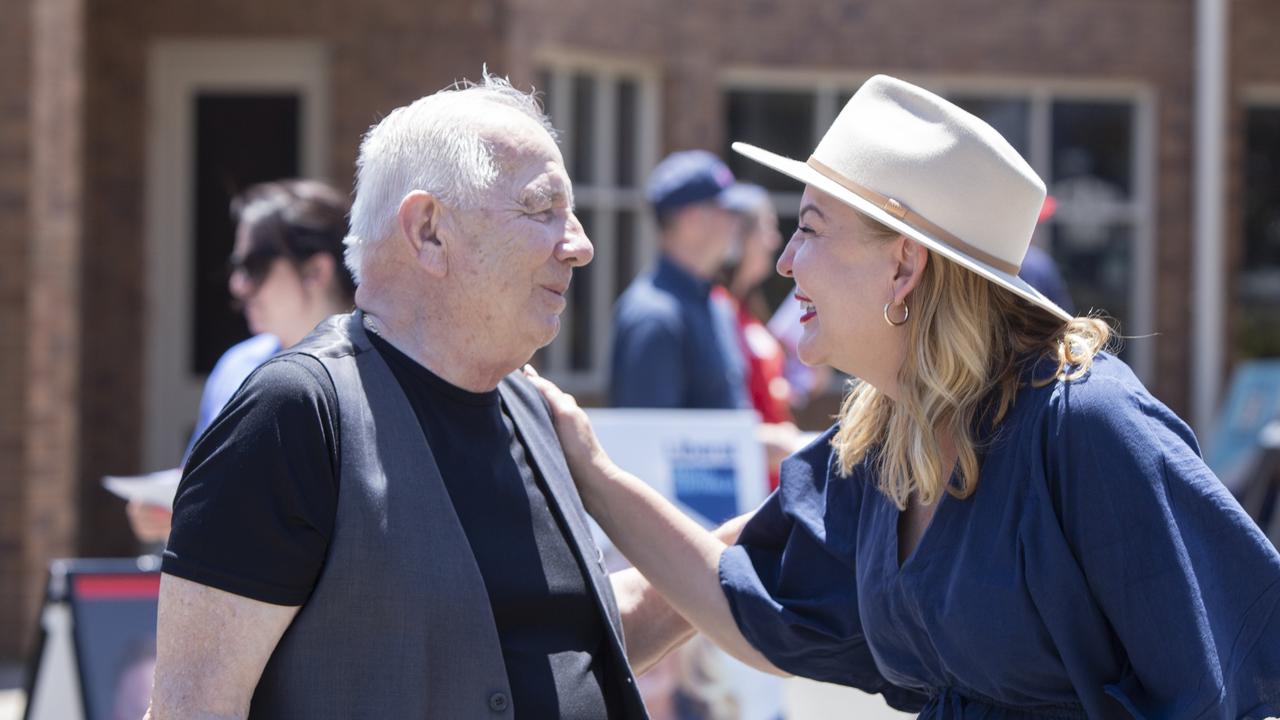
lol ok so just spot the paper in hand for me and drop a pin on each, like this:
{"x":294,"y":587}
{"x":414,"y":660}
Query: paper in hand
{"x":157,"y":488}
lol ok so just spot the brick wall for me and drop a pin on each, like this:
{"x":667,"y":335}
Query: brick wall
{"x":39,"y":241}
{"x":53,"y":310}
{"x":15,"y":161}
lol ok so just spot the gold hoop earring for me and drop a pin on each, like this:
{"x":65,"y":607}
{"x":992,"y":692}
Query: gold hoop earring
{"x":906,"y":313}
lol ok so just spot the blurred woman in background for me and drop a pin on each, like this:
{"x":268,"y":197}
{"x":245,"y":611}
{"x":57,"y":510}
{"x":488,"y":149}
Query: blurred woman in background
{"x":286,"y":275}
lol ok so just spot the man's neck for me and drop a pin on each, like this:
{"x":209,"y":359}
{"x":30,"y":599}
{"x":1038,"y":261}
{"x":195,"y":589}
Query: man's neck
{"x":436,"y":349}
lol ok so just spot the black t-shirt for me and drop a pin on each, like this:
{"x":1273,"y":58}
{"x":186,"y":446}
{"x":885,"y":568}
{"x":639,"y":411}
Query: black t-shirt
{"x":256,"y":510}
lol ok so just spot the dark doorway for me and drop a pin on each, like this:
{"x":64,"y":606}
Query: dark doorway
{"x":241,"y":139}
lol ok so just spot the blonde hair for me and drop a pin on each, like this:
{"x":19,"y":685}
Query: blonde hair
{"x":968,"y":342}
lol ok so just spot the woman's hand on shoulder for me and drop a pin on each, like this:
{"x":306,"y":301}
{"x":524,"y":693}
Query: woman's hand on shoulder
{"x":587,"y":459}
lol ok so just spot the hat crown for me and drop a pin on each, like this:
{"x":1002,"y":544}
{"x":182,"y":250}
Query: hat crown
{"x":937,"y":161}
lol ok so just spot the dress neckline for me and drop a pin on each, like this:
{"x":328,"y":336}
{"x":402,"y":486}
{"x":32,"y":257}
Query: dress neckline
{"x":931,"y":529}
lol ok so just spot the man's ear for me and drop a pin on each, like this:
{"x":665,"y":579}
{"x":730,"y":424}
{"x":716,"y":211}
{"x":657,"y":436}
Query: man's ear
{"x":911,"y":257}
{"x":420,"y":218}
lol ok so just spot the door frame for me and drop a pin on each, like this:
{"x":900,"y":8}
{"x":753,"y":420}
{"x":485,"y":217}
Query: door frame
{"x":176,"y":72}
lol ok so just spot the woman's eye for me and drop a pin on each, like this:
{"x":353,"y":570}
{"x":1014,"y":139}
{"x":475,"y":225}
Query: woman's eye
{"x":804,"y":230}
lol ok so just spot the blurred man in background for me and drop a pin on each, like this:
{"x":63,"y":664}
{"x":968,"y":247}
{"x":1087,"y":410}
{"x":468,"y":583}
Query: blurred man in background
{"x":743,"y":302}
{"x":670,"y":350}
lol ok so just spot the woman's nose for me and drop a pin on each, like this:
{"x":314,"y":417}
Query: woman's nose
{"x":785,"y":260}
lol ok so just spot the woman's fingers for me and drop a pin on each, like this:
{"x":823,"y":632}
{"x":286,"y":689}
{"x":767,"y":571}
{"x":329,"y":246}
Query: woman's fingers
{"x":577,"y":439}
{"x":559,"y":400}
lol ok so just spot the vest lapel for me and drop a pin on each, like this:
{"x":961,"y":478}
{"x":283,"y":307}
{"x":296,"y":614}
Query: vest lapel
{"x":539,"y":436}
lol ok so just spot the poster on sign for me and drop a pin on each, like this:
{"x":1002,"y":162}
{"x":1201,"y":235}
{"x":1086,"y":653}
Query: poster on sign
{"x":1233,"y":450}
{"x":97,"y":649}
{"x":709,"y":464}
{"x":115,"y":635}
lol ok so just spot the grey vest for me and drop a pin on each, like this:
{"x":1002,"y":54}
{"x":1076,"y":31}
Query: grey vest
{"x":399,"y":624}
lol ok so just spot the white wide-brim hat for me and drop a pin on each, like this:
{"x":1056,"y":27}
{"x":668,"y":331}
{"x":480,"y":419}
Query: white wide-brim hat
{"x":922,"y":166}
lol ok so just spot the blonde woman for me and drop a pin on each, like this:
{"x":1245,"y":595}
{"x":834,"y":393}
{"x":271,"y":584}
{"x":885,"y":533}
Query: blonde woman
{"x":1003,"y":523}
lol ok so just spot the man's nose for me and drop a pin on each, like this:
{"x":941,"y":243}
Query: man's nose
{"x":575,"y":247}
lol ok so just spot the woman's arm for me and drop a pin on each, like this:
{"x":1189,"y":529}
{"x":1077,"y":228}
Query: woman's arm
{"x":652,"y":627}
{"x":673,"y":552}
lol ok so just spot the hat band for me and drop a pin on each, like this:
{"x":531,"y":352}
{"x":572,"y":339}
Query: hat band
{"x":901,"y":212}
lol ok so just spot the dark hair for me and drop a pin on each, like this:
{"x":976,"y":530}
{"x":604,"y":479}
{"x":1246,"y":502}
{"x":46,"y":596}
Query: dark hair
{"x":295,"y":219}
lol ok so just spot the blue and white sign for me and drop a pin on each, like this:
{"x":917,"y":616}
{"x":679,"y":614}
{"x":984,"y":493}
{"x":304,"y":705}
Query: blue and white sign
{"x":708,"y":462}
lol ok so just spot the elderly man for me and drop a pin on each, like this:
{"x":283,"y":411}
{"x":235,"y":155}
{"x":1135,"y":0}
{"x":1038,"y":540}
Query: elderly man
{"x":381,"y":523}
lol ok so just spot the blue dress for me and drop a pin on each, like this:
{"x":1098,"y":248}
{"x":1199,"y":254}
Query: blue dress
{"x":1099,"y":570}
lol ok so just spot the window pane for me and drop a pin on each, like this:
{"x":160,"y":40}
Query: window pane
{"x":778,"y":121}
{"x":627,"y":139}
{"x":1258,"y":281}
{"x":1092,"y":151}
{"x":240,"y":139}
{"x":1009,"y":116}
{"x":624,"y":252}
{"x":583,"y":140}
{"x":1096,"y":263}
{"x":580,"y":306}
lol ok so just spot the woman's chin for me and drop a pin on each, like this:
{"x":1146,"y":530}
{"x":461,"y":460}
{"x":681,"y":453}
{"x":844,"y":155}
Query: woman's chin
{"x":809,"y":352}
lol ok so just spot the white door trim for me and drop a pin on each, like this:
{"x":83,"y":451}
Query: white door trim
{"x":176,"y":72}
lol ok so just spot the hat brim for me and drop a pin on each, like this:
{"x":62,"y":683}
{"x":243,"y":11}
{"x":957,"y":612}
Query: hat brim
{"x":806,"y":174}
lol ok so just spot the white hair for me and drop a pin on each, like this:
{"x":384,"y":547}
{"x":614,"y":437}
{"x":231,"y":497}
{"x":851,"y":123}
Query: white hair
{"x":434,"y":145}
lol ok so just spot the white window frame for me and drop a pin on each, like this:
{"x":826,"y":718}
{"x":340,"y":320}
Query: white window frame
{"x":1040,"y":93}
{"x":603,"y":198}
{"x":176,"y":72}
{"x":1252,"y":97}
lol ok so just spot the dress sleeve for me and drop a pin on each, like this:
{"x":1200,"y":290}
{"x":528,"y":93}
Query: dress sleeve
{"x":1187,"y":581}
{"x":791,"y":587}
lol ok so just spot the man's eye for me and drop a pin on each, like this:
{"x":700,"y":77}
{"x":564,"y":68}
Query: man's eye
{"x":804,"y":229}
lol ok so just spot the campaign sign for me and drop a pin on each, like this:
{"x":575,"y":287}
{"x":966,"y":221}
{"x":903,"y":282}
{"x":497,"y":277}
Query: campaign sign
{"x":710,"y":464}
{"x":1253,"y":400}
{"x":99,"y":637}
{"x":707,"y":461}
{"x":704,"y":479}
